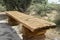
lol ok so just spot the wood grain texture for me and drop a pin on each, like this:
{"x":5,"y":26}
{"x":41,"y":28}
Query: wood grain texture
{"x":30,"y":22}
{"x":36,"y":35}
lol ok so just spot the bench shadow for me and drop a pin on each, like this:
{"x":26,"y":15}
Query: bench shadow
{"x":3,"y":17}
{"x":8,"y":32}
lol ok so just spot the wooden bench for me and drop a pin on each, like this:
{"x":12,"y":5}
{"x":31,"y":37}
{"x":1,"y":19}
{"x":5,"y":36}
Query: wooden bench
{"x":33,"y":27}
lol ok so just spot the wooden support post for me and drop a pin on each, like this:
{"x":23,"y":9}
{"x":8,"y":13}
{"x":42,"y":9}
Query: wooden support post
{"x":36,"y":35}
{"x":12,"y":21}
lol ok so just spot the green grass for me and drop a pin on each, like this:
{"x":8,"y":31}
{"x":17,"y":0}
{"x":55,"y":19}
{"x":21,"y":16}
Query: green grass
{"x":2,"y":8}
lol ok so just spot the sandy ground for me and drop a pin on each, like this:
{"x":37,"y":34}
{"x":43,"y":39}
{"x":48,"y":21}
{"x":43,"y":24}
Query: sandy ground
{"x":53,"y":34}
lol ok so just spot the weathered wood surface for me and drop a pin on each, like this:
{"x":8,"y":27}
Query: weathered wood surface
{"x":30,"y":22}
{"x":36,"y":35}
{"x":12,"y":21}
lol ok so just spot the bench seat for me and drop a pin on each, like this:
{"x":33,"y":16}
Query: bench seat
{"x":30,"y":22}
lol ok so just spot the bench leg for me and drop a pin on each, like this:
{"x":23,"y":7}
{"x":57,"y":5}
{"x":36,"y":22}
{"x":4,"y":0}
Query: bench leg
{"x":12,"y":21}
{"x":38,"y":35}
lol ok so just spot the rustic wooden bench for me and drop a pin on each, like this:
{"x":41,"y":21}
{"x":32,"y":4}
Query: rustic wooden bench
{"x":33,"y":28}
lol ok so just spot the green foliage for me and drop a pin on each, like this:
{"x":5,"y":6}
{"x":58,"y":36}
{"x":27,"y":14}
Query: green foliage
{"x":2,"y":6}
{"x":23,"y":5}
{"x":20,"y":5}
{"x":38,"y":6}
{"x":39,"y":1}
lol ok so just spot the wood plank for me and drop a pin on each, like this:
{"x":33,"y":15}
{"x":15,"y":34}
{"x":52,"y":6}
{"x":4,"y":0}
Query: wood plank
{"x":30,"y":22}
